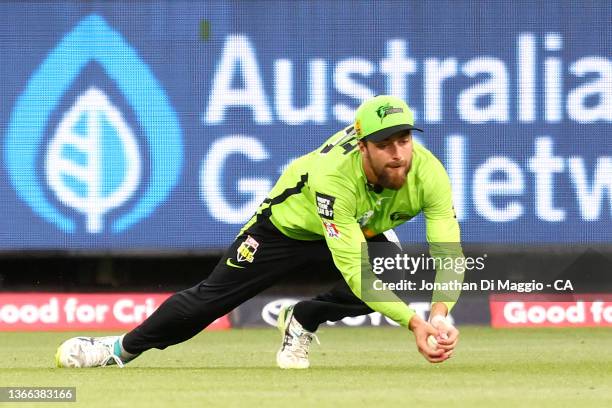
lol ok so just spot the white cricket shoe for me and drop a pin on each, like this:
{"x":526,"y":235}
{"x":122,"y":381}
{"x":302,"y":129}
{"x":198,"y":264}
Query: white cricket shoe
{"x":293,"y":352}
{"x":79,"y":352}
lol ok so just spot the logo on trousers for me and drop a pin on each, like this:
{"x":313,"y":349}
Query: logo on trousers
{"x":246,"y":250}
{"x":92,"y":160}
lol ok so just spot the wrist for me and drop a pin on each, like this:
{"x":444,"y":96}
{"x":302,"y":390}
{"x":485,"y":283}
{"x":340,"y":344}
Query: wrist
{"x":438,"y":309}
{"x":437,"y":319}
{"x":415,"y":321}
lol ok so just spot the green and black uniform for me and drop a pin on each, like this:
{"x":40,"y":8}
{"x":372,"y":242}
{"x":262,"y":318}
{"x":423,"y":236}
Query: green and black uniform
{"x":317,"y":215}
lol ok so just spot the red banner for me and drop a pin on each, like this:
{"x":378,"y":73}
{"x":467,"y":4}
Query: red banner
{"x":551,"y":311}
{"x":79,"y":311}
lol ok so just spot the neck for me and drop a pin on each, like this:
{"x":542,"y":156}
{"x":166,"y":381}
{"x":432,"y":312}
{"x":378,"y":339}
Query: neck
{"x":367,"y":169}
{"x":370,"y":176}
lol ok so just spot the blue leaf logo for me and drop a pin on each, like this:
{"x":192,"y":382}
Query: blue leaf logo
{"x":73,"y":165}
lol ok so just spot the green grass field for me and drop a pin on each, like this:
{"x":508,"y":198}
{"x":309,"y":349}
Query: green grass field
{"x":352,"y":367}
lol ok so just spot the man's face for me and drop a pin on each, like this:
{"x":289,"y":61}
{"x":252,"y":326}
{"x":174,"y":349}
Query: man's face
{"x":388,"y":161}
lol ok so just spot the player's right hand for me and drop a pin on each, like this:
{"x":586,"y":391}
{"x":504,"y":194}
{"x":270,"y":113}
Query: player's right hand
{"x":421,"y":330}
{"x":449,"y":335}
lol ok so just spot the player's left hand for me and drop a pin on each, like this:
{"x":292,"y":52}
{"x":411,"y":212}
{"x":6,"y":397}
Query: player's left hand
{"x":449,"y":334}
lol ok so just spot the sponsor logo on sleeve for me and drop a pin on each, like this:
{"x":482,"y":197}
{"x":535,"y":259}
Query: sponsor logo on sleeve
{"x":331,"y":229}
{"x":325,"y":206}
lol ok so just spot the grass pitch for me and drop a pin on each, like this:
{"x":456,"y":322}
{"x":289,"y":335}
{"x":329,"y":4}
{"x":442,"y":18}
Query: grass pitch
{"x":353,"y":367}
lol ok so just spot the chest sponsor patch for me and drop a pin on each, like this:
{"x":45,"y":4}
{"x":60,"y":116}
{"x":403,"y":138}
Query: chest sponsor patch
{"x":325,"y":205}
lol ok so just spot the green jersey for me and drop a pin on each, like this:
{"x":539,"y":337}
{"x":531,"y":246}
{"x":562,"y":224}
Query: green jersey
{"x":325,"y":195}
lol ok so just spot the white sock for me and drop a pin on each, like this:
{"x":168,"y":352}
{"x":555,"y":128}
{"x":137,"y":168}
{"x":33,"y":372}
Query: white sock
{"x":124,"y":355}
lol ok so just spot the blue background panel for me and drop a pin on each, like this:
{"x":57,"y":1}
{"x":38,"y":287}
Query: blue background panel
{"x":162,"y":125}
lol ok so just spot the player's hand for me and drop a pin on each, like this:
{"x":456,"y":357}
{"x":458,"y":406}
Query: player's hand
{"x":421,"y":330}
{"x":449,"y":335}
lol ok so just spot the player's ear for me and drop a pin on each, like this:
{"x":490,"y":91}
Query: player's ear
{"x":362,"y":146}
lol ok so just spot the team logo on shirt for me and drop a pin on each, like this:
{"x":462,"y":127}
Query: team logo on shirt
{"x":363,"y":220}
{"x":325,"y":206}
{"x":331,"y":229}
{"x":246,"y":250}
{"x":400,"y":216}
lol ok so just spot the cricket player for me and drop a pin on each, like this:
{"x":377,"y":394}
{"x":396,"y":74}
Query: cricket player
{"x":363,"y":181}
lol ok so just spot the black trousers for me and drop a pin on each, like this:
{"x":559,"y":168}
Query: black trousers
{"x":256,"y":260}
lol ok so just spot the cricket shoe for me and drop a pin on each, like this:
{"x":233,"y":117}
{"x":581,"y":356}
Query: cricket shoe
{"x":80,"y":352}
{"x":293,"y":352}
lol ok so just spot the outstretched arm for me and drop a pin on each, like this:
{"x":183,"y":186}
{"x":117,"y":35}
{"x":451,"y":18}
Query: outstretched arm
{"x":443,"y":236}
{"x":349,"y":251}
